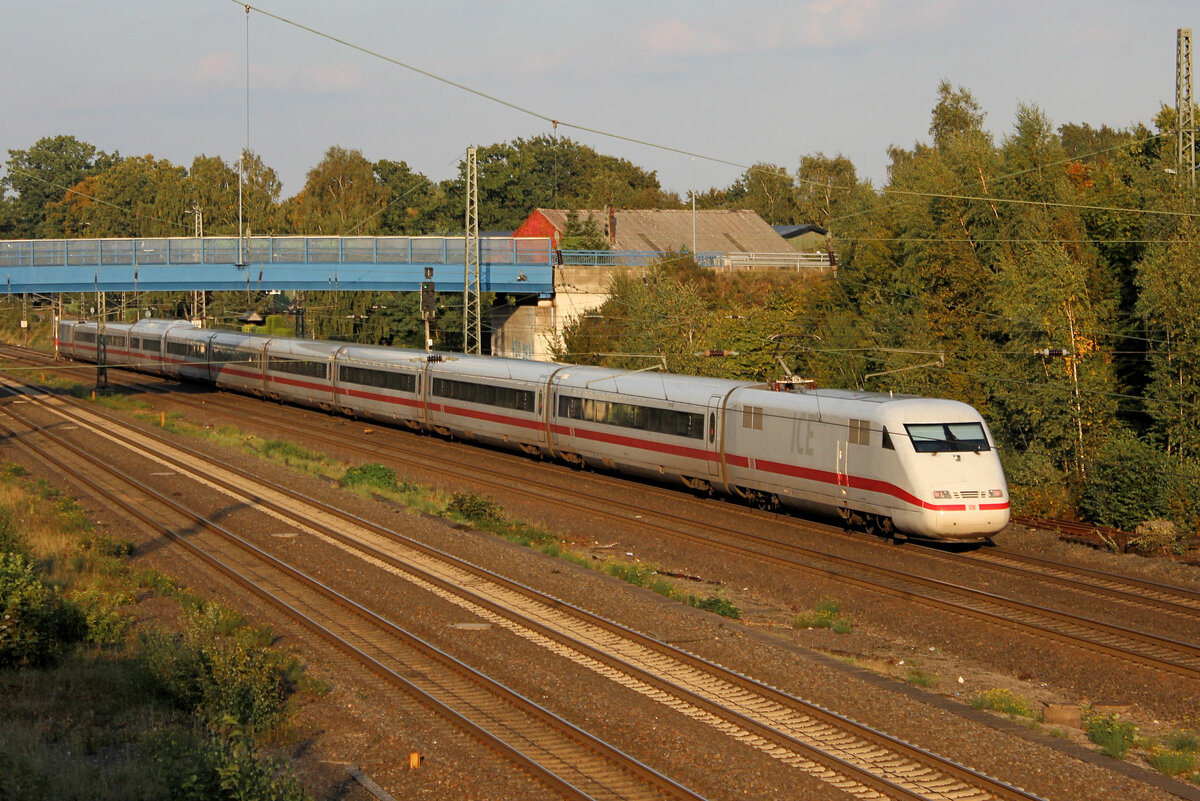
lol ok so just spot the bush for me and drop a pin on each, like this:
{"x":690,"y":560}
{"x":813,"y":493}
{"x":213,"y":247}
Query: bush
{"x":221,"y":764}
{"x":716,"y":603}
{"x":1172,"y":763}
{"x":98,"y":605}
{"x":1183,"y":495}
{"x":11,"y":539}
{"x":1157,"y":537}
{"x":920,"y":677}
{"x":1125,"y":484}
{"x":1036,"y":485}
{"x":371,"y":475}
{"x":35,"y":623}
{"x":222,"y":668}
{"x":475,"y":509}
{"x":1113,"y":735}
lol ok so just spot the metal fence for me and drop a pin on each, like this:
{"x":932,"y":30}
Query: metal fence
{"x":268,"y":250}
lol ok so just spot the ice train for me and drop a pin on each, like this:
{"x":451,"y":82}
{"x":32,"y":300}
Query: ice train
{"x":900,"y":465}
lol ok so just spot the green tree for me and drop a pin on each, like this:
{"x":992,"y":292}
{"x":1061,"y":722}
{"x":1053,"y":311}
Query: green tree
{"x":44,"y":173}
{"x":582,"y":234}
{"x":341,"y":197}
{"x":139,"y":197}
{"x":1169,"y":283}
{"x":764,"y":188}
{"x":417,"y":205}
{"x":826,"y":188}
{"x":550,"y":172}
{"x":212,"y":185}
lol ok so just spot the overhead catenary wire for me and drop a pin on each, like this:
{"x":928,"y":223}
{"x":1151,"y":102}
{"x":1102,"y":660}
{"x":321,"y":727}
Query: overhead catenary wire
{"x":660,"y":146}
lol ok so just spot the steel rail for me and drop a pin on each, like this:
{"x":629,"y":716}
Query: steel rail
{"x":684,"y":527}
{"x":523,"y":705}
{"x":961,"y":773}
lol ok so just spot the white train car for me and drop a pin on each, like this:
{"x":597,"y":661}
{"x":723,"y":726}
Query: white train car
{"x":146,"y":339}
{"x":382,"y":384}
{"x":300,"y":370}
{"x":235,"y":361}
{"x":496,"y":401}
{"x":649,"y":424}
{"x":869,"y":457}
{"x":894,"y":464}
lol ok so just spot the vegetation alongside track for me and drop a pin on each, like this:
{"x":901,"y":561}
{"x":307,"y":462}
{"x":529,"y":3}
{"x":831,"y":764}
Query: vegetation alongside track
{"x":96,"y":701}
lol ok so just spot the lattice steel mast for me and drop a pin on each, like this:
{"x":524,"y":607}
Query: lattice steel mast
{"x":1185,"y":107}
{"x":472,"y":338}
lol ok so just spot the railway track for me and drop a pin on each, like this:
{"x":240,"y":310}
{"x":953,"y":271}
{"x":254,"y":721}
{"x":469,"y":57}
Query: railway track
{"x":566,"y":759}
{"x":864,"y":762}
{"x":1163,"y":653}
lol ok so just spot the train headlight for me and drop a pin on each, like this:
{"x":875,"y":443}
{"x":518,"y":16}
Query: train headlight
{"x":995,"y":493}
{"x":941,"y":494}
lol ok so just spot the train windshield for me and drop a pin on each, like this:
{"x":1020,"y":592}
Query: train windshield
{"x":947,"y":437}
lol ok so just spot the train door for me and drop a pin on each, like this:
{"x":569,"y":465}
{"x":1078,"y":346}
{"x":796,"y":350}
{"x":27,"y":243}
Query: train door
{"x":713,"y":436}
{"x":842,"y":444}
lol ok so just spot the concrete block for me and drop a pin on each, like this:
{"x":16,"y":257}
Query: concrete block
{"x":1111,"y":708}
{"x":1055,"y":714}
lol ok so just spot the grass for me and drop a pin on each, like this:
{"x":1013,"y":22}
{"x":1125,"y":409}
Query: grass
{"x":1003,"y":701}
{"x":824,"y":616}
{"x":1178,"y":754}
{"x":97,"y":721}
{"x":1113,"y":735}
{"x":919,"y":677}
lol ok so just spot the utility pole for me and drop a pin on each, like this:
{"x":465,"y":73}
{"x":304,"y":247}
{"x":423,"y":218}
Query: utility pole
{"x":101,"y":340}
{"x":199,"y":297}
{"x":1185,"y":107}
{"x":472,"y":338}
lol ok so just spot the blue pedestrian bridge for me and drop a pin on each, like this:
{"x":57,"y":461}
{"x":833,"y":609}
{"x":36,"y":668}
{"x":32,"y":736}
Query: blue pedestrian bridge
{"x":388,"y":263}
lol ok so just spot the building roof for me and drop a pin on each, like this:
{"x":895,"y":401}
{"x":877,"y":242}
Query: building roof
{"x":792,"y":231}
{"x":664,"y":230}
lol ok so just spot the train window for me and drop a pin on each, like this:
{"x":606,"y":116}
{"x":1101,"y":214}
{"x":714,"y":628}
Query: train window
{"x":114,"y":339}
{"x":384,"y":379}
{"x":628,"y":415}
{"x":152,"y":345}
{"x":712,"y":427}
{"x":299,"y":367}
{"x":135,"y":343}
{"x":860,"y":432}
{"x":947,"y":437}
{"x":487,"y":394}
{"x":887,"y":440}
{"x":85,"y":336}
{"x":752,"y":417}
{"x":228,"y":354}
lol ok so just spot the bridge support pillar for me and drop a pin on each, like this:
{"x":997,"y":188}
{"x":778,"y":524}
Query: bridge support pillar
{"x":524,"y":329}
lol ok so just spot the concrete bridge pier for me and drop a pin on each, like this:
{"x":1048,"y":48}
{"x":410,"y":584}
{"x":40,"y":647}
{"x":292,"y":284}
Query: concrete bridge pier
{"x":528,"y":328}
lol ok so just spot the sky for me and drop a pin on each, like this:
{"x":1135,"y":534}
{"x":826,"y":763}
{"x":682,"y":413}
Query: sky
{"x":737,"y":82}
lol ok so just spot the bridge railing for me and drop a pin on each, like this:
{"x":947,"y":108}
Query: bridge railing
{"x":268,"y":250}
{"x":777,"y":261}
{"x":627,"y":258}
